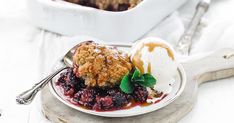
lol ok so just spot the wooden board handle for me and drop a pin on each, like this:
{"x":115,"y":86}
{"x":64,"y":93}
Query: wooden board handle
{"x":211,"y":66}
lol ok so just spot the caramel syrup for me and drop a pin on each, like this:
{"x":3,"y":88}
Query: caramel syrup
{"x":137,"y":61}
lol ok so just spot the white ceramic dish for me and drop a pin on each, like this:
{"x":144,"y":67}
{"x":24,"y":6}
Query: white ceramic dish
{"x":71,"y":19}
{"x":177,"y":89}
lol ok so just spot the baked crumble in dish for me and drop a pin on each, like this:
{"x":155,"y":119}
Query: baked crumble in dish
{"x":104,"y":78}
{"x":109,"y":5}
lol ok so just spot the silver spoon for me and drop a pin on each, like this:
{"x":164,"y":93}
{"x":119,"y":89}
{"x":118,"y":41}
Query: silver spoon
{"x":185,"y":42}
{"x":27,"y":96}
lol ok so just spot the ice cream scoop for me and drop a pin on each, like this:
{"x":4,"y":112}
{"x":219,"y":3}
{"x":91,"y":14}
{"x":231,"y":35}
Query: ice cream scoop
{"x":157,"y":57}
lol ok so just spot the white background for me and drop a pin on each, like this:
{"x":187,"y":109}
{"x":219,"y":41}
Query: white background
{"x":22,"y":51}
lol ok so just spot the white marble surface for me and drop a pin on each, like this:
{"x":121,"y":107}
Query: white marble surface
{"x":24,"y":56}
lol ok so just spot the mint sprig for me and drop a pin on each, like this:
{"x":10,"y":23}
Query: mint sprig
{"x":126,"y":86}
{"x":149,"y":80}
{"x":136,"y":74}
{"x":128,"y":81}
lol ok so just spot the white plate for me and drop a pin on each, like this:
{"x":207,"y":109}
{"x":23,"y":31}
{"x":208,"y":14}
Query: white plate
{"x":177,"y":89}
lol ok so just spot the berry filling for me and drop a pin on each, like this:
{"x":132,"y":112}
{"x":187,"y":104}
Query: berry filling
{"x":99,"y":99}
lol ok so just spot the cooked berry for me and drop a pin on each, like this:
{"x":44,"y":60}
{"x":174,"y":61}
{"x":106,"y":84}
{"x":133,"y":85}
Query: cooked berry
{"x":119,"y":98}
{"x":85,"y":97}
{"x":101,"y":92}
{"x":106,"y":102}
{"x":97,"y":107}
{"x":72,"y":78}
{"x":70,"y":83}
{"x":140,"y":93}
{"x":101,"y":99}
{"x":69,"y":92}
{"x":62,"y":79}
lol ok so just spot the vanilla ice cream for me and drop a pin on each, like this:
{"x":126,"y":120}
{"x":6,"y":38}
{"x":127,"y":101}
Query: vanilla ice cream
{"x":155,"y":56}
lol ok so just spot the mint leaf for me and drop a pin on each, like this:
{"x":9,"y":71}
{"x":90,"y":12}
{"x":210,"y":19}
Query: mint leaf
{"x":128,"y":81}
{"x":135,"y":75}
{"x":146,"y":80}
{"x":150,"y":81}
{"x":142,"y":83}
{"x":126,"y":86}
{"x":139,"y":79}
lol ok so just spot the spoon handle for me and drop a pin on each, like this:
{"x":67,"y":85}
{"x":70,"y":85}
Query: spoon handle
{"x":185,"y":42}
{"x":27,"y":96}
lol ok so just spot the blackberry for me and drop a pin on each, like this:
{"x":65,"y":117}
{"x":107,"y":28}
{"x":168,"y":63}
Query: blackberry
{"x":98,"y":98}
{"x":119,"y":98}
{"x":112,"y":92}
{"x":140,"y":94}
{"x":76,"y":83}
{"x":104,"y":103}
{"x":72,"y":78}
{"x":70,"y":83}
{"x":97,"y":107}
{"x":69,"y":92}
{"x":107,"y":102}
{"x":61,"y":80}
{"x":85,"y":97}
{"x":102,"y":92}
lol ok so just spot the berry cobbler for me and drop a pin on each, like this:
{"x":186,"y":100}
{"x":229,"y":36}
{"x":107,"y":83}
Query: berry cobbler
{"x":103,"y":78}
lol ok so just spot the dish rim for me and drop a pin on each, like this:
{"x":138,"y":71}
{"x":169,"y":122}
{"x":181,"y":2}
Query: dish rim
{"x":67,"y":5}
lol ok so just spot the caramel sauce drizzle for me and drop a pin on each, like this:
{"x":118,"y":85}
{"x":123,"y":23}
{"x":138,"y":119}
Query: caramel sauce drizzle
{"x":152,"y":45}
{"x":149,"y":68}
{"x":136,"y":60}
{"x":137,"y":56}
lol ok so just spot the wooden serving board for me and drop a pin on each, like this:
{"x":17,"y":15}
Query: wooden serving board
{"x":210,"y":66}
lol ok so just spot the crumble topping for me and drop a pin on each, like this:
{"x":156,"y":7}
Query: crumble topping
{"x":100,"y":65}
{"x":110,"y":5}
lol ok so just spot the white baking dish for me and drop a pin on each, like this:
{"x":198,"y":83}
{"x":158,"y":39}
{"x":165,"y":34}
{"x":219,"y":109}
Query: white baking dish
{"x":71,"y":19}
